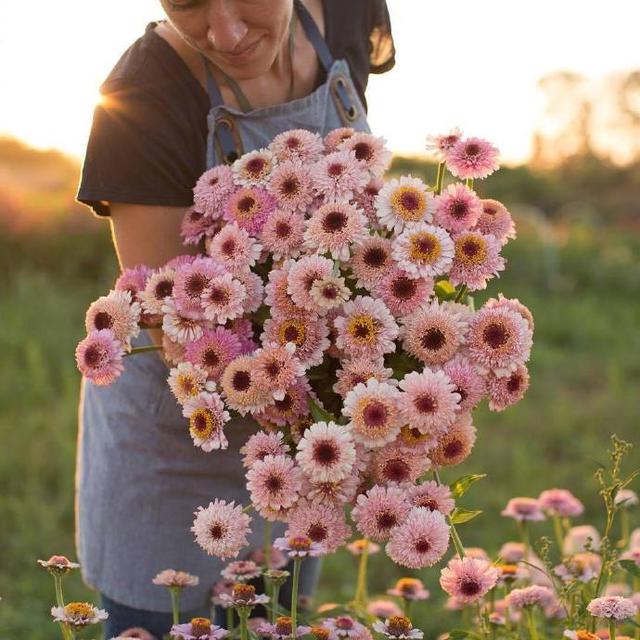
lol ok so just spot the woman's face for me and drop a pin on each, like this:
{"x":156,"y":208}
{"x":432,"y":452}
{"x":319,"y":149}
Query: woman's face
{"x":242,"y":37}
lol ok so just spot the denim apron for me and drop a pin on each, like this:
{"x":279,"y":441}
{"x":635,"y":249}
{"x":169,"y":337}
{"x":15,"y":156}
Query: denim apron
{"x":139,"y":478}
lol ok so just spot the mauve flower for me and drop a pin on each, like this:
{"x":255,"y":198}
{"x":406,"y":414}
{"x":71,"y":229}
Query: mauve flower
{"x":476,"y":259}
{"x":357,"y":547}
{"x":299,"y":546}
{"x":523,"y":509}
{"x":433,"y":496}
{"x":243,"y":595}
{"x":58,"y":565}
{"x":612,"y":608}
{"x":440,"y":145}
{"x":274,"y":483}
{"x":326,"y":452}
{"x":212,"y":189}
{"x":221,"y":528}
{"x":117,"y":312}
{"x":468,"y":579}
{"x":530,"y":596}
{"x":455,"y":445}
{"x":198,"y":629}
{"x":173,"y":578}
{"x":496,"y":220}
{"x":383,"y":608}
{"x":626,"y":498}
{"x":346,"y":628}
{"x":473,"y":158}
{"x":379,"y":511}
{"x":458,"y":208}
{"x":253,"y":168}
{"x":369,"y":150}
{"x":398,"y":626}
{"x":560,"y":502}
{"x":99,"y":357}
{"x":409,"y":589}
{"x":323,"y":524}
{"x":283,"y":629}
{"x":579,"y":537}
{"x":297,"y":143}
{"x":580,"y":566}
{"x":78,"y":614}
{"x":241,"y":571}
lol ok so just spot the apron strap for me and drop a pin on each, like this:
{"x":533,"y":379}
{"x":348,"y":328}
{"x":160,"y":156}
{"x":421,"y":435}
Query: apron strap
{"x":313,"y":33}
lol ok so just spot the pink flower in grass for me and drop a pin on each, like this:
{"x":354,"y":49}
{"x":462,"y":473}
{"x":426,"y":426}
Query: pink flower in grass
{"x":476,"y":260}
{"x":58,"y":565}
{"x":234,"y":248}
{"x":382,"y":608}
{"x":99,"y":357}
{"x":458,"y":208}
{"x":420,"y":540}
{"x":221,"y":529}
{"x":359,"y":370}
{"x":379,"y":511}
{"x":473,"y":158}
{"x":370,"y":151}
{"x":333,"y":228}
{"x":468,"y":579}
{"x":283,"y":234}
{"x":297,"y":143}
{"x":277,"y":368}
{"x":433,"y":496}
{"x":326,"y":452}
{"x":612,"y":608}
{"x":530,"y":597}
{"x":176,"y":579}
{"x":397,"y":464}
{"x":212,"y":189}
{"x":403,"y":201}
{"x":371,"y":260}
{"x":346,"y":628}
{"x":338,"y":176}
{"x":274,"y":483}
{"x":410,"y":589}
{"x":402,"y":293}
{"x":523,"y":509}
{"x":249,"y":208}
{"x":198,"y":629}
{"x":323,"y":524}
{"x":292,"y":185}
{"x":496,"y":220}
{"x":467,"y":381}
{"x":241,"y":571}
{"x":455,"y":445}
{"x":115,"y":312}
{"x":423,"y":250}
{"x":254,"y":168}
{"x":78,"y":615}
{"x":213,"y":351}
{"x":309,"y":336}
{"x":440,"y":145}
{"x":207,"y":417}
{"x":262,"y":444}
{"x":508,"y":390}
{"x":241,"y":387}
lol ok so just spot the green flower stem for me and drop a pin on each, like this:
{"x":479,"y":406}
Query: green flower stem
{"x":439,"y":178}
{"x":151,"y":347}
{"x":612,"y":629}
{"x":524,"y":535}
{"x":275,"y":594}
{"x":457,"y":543}
{"x":175,"y":604}
{"x":65,"y":630}
{"x":531,"y":621}
{"x":294,"y":595}
{"x":266,"y":545}
{"x":469,"y":183}
{"x":361,"y":585}
{"x":461,"y":293}
{"x":407,"y":608}
{"x":557,"y":528}
{"x":243,"y":614}
{"x":230,"y":624}
{"x":624,"y":526}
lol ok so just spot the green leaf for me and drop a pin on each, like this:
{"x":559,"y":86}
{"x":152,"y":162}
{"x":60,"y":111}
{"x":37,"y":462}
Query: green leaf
{"x":445,"y":290}
{"x":318,"y":413}
{"x":630,"y":567}
{"x":459,"y":516}
{"x":460,"y":486}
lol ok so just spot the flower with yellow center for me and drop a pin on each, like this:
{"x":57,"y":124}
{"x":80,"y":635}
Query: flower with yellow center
{"x":470,"y":249}
{"x":423,"y":250}
{"x":404,"y":201}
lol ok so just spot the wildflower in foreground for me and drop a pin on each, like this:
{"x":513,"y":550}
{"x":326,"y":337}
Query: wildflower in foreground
{"x":198,"y":629}
{"x":58,"y":565}
{"x":560,"y":502}
{"x":397,"y":627}
{"x":78,"y":614}
{"x":578,"y":538}
{"x":243,"y":595}
{"x":468,"y":579}
{"x":221,"y":528}
{"x":173,"y":578}
{"x":530,"y":596}
{"x":523,"y":509}
{"x":409,"y":589}
{"x":580,"y":566}
{"x":612,"y":607}
{"x":283,"y":629}
{"x":299,"y":546}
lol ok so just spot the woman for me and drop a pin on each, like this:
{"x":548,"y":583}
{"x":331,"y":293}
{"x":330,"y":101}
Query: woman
{"x":217,"y":79}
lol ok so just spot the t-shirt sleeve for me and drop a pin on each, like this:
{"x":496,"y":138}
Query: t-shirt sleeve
{"x":136,"y":153}
{"x":382,"y":52}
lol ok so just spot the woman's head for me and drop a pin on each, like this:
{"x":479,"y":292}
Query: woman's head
{"x":242,"y":37}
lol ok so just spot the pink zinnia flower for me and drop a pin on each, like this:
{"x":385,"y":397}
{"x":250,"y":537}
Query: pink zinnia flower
{"x":297,"y":143}
{"x":337,"y":493}
{"x":207,"y":417}
{"x":78,"y":615}
{"x":359,"y":370}
{"x":291,"y":184}
{"x":402,"y":201}
{"x":302,"y":275}
{"x":612,"y":608}
{"x":511,"y":303}
{"x":133,"y":280}
{"x":263,"y":444}
{"x":283,"y":234}
{"x":178,"y":328}
{"x":58,"y":565}
{"x":241,"y":571}
{"x":529,"y":597}
{"x":468,"y":579}
{"x":159,"y":287}
{"x":498,"y":340}
{"x":309,"y":336}
{"x":455,"y":445}
{"x":223,"y":298}
{"x":323,"y":524}
{"x":434,"y":333}
{"x":371,"y":260}
{"x":402,"y":293}
{"x":277,"y":296}
{"x":187,"y":380}
{"x":116,"y":312}
{"x":523,"y":509}
{"x":198,"y":629}
{"x":423,"y":250}
{"x":346,"y":628}
{"x":190,"y":281}
{"x":383,"y":608}
{"x":374,"y":412}
{"x":196,"y":225}
{"x":477,"y":259}
{"x":253,"y":168}
{"x":173,"y":578}
{"x":467,"y":380}
{"x":326,"y":452}
{"x":441,"y":144}
{"x":329,"y":293}
{"x":338,"y":176}
{"x":243,"y":330}
{"x":496,"y":220}
{"x":420,"y":540}
{"x":212,"y":189}
{"x":507,"y":390}
{"x":334,"y":138}
{"x":293,"y":407}
{"x":370,"y":151}
{"x":458,"y":208}
{"x":299,"y":546}
{"x":333,"y":227}
{"x":234,"y":248}
{"x":429,"y":402}
{"x":472,"y":158}
{"x":365,"y":328}
{"x":274,"y":483}
{"x":394,"y":463}
{"x":282,"y":629}
{"x":249,"y":208}
{"x":379,"y":511}
{"x":357,"y":547}
{"x":410,"y":589}
{"x":254,"y":287}
{"x":277,"y":368}
{"x":398,"y":627}
{"x":221,"y":529}
{"x":213,"y":351}
{"x":433,"y":496}
{"x":241,"y":387}
{"x":99,"y":357}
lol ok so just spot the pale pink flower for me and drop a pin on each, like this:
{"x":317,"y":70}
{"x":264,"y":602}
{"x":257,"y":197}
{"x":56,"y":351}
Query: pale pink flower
{"x":299,"y":546}
{"x":346,"y":628}
{"x":523,"y":509}
{"x":580,"y":538}
{"x":397,"y":627}
{"x":429,"y":402}
{"x":394,"y":463}
{"x":365,"y":328}
{"x":58,"y":565}
{"x":241,"y":388}
{"x":508,"y":390}
{"x":254,"y":287}
{"x":626,"y":498}
{"x":410,"y":589}
{"x":282,"y":629}
{"x":476,"y":259}
{"x":357,"y":547}
{"x":310,"y":336}
{"x":177,"y":327}
{"x":207,"y":417}
{"x":323,"y":524}
{"x":222,"y":299}
{"x":277,"y":296}
{"x":277,"y":368}
{"x":212,"y":189}
{"x":455,"y":445}
{"x":383,"y":608}
{"x":423,"y":250}
{"x":326,"y":452}
{"x":263,"y":444}
{"x":612,"y":607}
{"x":186,"y":381}
{"x":115,"y":312}
{"x":329,"y":293}
{"x":512,"y":552}
{"x":420,"y":540}
{"x":253,"y":168}
{"x":458,"y":208}
{"x":173,"y":578}
{"x":283,"y":234}
{"x":496,"y":220}
{"x":433,"y":496}
{"x":243,"y":330}
{"x":371,"y":260}
{"x":359,"y":370}
{"x":379,"y":511}
{"x":241,"y":571}
{"x":335,"y":137}
{"x":366,"y":199}
{"x":292,"y":185}
{"x":213,"y":351}
{"x":374,"y":413}
{"x":333,"y":228}
{"x":249,"y":208}
{"x":440,"y":145}
{"x":274,"y":483}
{"x":337,"y":493}
{"x":302,"y":275}
{"x":498,"y":340}
{"x":159,"y":287}
{"x":467,"y":380}
{"x":234,"y":248}
{"x":369,"y":150}
{"x":434,"y":333}
{"x":99,"y":357}
{"x":338,"y":176}
{"x":293,"y":407}
{"x":402,"y":201}
{"x":511,"y":303}
{"x":534,"y":595}
{"x":472,"y":158}
{"x":197,"y":629}
{"x":133,"y":280}
{"x":190,"y":281}
{"x":196,"y":225}
{"x":297,"y":143}
{"x":78,"y":614}
{"x":221,"y":529}
{"x":402,"y":293}
{"x":633,"y":554}
{"x":581,"y":566}
{"x":468,"y":579}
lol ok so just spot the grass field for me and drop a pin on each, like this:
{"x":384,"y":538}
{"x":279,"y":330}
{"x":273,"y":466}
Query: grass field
{"x":580,"y":282}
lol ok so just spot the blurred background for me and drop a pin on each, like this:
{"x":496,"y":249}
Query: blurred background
{"x":555,"y":85}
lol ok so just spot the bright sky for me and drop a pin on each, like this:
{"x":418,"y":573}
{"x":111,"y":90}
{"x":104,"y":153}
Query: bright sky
{"x":475,"y":67}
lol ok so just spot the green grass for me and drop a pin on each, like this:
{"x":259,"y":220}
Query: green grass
{"x":581,"y":285}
